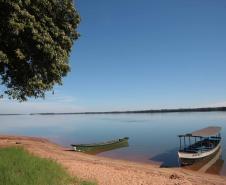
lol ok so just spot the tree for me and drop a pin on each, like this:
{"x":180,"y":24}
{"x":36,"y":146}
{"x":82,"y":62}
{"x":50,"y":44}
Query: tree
{"x":36,"y":37}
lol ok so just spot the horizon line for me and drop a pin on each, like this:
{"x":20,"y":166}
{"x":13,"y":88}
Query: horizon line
{"x":165,"y":110}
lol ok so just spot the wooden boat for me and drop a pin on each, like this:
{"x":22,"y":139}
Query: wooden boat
{"x":107,"y":148}
{"x":198,"y":145}
{"x":95,"y":147}
{"x":210,"y":164}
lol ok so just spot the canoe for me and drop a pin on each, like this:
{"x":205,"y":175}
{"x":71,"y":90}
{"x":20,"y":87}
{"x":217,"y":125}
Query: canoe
{"x":95,"y":147}
{"x":199,"y":145}
{"x":107,"y":148}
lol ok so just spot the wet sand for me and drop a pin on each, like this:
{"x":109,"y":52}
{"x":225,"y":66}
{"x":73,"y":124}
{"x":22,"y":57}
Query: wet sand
{"x":107,"y":171}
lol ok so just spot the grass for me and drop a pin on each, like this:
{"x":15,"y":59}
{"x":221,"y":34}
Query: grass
{"x":18,"y":167}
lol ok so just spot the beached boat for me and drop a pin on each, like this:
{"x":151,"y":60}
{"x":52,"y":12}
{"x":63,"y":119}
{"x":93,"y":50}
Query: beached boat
{"x":198,"y":145}
{"x":211,"y":164}
{"x":95,"y":147}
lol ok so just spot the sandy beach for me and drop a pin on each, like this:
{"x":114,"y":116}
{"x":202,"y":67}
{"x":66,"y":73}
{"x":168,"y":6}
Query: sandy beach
{"x":107,"y":171}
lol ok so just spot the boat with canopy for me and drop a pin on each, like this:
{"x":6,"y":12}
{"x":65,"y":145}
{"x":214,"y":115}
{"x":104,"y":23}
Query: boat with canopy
{"x":199,"y":144}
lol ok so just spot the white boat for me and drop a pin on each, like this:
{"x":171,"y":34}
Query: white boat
{"x":211,"y":164}
{"x":199,"y":144}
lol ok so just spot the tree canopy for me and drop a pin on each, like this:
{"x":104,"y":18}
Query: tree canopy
{"x":36,"y":37}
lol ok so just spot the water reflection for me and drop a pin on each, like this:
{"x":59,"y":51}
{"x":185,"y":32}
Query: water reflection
{"x":108,"y":148}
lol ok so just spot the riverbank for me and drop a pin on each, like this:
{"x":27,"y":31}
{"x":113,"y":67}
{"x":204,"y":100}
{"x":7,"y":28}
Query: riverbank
{"x":18,"y":166}
{"x":107,"y":171}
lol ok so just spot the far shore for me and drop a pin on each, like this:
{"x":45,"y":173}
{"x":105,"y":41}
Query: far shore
{"x":106,"y":171}
{"x":203,"y":109}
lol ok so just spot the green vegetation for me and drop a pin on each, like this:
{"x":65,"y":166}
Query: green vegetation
{"x":35,"y":42}
{"x":18,"y":167}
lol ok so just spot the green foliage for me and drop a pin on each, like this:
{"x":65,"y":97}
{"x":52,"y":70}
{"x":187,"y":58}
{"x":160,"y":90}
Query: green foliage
{"x":35,"y":42}
{"x":18,"y":167}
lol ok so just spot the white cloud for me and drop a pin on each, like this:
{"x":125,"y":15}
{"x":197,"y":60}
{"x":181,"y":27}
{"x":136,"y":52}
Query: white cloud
{"x":217,"y":104}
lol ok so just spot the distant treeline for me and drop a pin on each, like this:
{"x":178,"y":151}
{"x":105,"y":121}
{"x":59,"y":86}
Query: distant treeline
{"x":11,"y":114}
{"x":207,"y":109}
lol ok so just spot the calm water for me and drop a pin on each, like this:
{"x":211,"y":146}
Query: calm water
{"x":153,"y":137}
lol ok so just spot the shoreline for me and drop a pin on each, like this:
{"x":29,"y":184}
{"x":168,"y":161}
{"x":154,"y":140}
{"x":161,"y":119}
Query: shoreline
{"x":165,"y":110}
{"x":108,"y":171}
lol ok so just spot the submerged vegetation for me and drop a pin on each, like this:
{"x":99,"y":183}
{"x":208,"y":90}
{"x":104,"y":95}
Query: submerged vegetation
{"x":18,"y":167}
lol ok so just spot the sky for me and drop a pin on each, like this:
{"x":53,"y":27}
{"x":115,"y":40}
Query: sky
{"x":141,"y":54}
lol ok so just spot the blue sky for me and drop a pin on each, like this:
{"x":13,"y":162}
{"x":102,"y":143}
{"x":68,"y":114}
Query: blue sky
{"x":142,"y":54}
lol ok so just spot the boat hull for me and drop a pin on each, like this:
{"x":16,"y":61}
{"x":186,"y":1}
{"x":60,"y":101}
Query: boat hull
{"x":190,"y":158}
{"x":95,"y":148}
{"x":207,"y":164}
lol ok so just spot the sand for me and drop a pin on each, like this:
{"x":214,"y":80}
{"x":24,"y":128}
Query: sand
{"x":107,"y":171}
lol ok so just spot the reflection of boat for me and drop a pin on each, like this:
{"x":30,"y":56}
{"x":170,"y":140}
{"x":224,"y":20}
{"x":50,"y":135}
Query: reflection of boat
{"x":208,"y":144}
{"x":108,"y":148}
{"x":100,"y":147}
